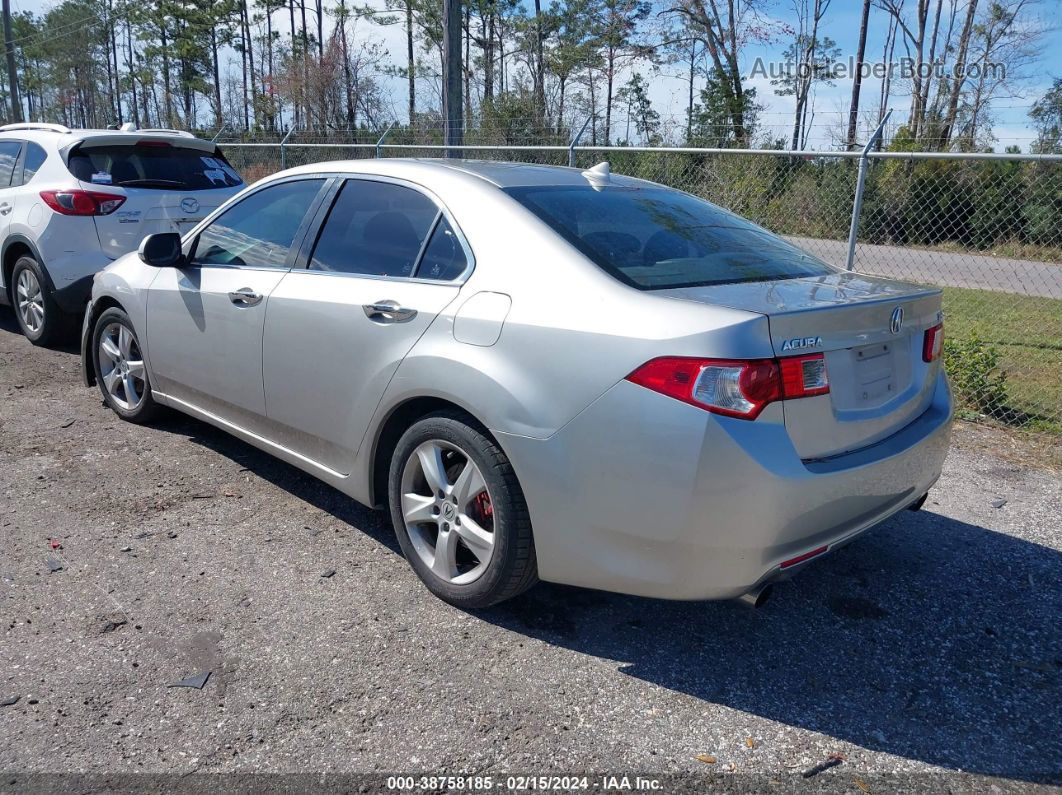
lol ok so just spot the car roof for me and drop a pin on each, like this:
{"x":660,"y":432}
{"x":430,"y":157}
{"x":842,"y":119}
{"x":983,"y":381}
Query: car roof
{"x":498,"y":174}
{"x":63,"y":136}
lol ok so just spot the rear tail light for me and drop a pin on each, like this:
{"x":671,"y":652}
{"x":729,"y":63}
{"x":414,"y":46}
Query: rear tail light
{"x":82,"y":202}
{"x":932,"y":343}
{"x":735,"y":388}
{"x":804,"y":376}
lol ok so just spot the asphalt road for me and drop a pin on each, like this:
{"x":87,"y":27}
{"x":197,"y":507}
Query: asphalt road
{"x":943,"y":268}
{"x":927,"y":654}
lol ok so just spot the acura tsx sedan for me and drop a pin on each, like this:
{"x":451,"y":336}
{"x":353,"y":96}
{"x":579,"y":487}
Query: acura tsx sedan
{"x":541,"y":372}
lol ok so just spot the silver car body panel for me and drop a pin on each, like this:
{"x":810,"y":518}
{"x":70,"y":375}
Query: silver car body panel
{"x":628,"y":490}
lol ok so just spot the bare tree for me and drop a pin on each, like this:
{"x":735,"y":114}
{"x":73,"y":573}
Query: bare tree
{"x":914,"y":38}
{"x":727,"y":25}
{"x":857,"y":78}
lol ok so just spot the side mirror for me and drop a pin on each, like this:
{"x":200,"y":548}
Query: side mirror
{"x":163,"y":250}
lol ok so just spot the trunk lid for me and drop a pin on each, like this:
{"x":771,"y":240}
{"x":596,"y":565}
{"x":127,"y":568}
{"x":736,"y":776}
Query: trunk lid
{"x":878,"y":380}
{"x":170,"y":183}
{"x":147,"y":211}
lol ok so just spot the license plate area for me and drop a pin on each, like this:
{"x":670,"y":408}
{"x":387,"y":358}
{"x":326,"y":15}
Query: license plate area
{"x":875,"y":369}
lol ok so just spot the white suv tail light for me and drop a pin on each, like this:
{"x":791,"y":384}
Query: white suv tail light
{"x":735,"y":388}
{"x":82,"y":202}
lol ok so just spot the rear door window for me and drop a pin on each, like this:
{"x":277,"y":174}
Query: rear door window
{"x":656,"y":238}
{"x":374,"y":228}
{"x":35,"y":157}
{"x":260,"y":229}
{"x":444,"y":258}
{"x":157,"y":165}
{"x":8,"y":157}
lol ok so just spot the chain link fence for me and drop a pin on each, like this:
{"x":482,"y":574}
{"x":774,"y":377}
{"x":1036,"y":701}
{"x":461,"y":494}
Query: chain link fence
{"x":985,"y":228}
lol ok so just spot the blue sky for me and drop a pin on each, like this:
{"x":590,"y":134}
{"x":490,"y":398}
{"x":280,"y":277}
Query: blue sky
{"x":668,"y":91}
{"x":1010,"y":114}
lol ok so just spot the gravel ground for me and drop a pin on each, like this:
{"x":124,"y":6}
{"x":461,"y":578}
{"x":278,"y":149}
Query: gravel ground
{"x":928,"y":651}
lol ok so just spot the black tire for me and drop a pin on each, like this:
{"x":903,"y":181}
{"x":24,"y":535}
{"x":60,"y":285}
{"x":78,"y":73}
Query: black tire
{"x":512,"y":568}
{"x":56,"y":324}
{"x":147,"y":410}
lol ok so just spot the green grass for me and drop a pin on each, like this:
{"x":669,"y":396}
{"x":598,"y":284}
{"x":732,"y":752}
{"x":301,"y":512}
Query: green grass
{"x":1027,"y":331}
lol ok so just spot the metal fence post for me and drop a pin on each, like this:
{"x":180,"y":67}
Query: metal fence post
{"x":575,"y":140}
{"x":383,"y":137}
{"x":283,"y":154}
{"x":857,"y":202}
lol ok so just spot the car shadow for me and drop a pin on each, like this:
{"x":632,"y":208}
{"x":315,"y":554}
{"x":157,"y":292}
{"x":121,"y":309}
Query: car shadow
{"x":69,"y":344}
{"x":376,"y":524}
{"x":928,"y":638}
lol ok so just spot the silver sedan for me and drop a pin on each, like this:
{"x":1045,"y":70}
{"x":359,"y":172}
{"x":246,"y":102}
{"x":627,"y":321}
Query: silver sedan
{"x":542,"y":373}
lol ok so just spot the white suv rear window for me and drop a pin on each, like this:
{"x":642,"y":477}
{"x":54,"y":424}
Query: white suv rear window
{"x":162,"y":167}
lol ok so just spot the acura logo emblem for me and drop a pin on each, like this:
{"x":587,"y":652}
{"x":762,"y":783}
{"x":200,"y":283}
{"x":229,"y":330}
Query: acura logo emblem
{"x":896,"y":322}
{"x":190,"y":205}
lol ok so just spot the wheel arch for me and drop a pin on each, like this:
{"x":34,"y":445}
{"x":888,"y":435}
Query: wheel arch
{"x":398,"y":420}
{"x":97,"y":308}
{"x":16,"y":246}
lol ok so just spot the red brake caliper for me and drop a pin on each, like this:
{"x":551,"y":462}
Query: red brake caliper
{"x":484,"y":509}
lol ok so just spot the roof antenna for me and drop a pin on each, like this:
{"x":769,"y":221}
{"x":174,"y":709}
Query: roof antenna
{"x":599,"y":175}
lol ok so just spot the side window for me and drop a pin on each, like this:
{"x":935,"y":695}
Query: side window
{"x":8,"y":156}
{"x":260,"y":229}
{"x":35,"y":157}
{"x":374,"y":228}
{"x":444,"y":258}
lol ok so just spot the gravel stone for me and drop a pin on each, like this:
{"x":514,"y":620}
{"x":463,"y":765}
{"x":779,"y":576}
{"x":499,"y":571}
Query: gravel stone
{"x":927,"y":650}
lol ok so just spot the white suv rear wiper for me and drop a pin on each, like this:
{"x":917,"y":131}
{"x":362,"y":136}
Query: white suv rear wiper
{"x":153,"y":183}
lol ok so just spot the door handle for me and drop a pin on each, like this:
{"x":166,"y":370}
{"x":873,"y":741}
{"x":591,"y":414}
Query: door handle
{"x":5,"y":208}
{"x":245,"y":296}
{"x":388,"y":312}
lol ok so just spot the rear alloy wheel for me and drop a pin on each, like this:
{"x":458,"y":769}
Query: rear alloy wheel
{"x":459,"y":513}
{"x":448,"y":512}
{"x":39,"y":317}
{"x":120,"y":369}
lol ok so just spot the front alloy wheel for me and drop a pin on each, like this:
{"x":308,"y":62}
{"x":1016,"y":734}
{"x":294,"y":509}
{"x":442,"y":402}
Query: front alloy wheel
{"x":120,"y":370}
{"x":121,"y":366}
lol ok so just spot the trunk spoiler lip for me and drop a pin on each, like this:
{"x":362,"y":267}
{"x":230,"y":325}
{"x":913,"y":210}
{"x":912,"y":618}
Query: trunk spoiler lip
{"x":904,"y":291}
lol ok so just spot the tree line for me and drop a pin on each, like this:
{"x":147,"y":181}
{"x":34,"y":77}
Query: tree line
{"x":532,"y":69}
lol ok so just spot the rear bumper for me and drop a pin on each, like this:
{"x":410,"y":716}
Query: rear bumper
{"x":646,"y":495}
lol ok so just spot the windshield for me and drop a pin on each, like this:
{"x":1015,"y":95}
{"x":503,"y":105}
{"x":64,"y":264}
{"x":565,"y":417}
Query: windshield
{"x":655,"y":238}
{"x":164,"y":167}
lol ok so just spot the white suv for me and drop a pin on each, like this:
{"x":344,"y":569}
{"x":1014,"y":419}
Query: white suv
{"x":72,"y":201}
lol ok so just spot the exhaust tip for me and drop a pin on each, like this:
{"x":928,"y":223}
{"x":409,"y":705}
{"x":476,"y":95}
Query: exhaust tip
{"x":757,"y":597}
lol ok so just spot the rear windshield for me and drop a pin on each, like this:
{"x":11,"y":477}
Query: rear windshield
{"x":655,"y":238}
{"x":159,"y":167}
